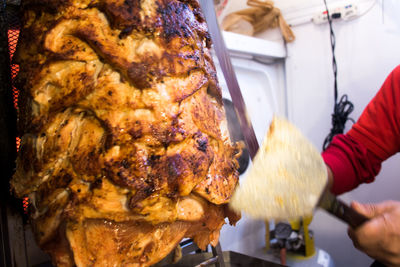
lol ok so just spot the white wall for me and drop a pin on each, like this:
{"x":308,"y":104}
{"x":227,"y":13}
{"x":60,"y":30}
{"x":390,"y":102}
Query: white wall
{"x":368,"y":48}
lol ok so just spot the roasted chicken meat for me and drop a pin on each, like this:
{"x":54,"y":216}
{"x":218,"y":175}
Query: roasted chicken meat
{"x":125,"y":148}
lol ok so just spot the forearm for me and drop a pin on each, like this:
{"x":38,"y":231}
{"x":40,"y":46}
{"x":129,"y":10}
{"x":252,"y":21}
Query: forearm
{"x":350,"y":164}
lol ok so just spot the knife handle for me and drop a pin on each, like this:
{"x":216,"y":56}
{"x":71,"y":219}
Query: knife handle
{"x":349,"y":215}
{"x":346,"y":213}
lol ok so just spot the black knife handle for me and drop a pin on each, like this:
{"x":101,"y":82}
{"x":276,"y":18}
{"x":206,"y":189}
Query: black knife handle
{"x":346,"y":213}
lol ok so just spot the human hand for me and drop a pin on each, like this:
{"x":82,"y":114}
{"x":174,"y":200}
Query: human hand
{"x":379,"y":237}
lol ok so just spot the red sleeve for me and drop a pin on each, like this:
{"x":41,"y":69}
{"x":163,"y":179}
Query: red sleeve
{"x":356,"y":157}
{"x":378,"y":127}
{"x":351,"y":163}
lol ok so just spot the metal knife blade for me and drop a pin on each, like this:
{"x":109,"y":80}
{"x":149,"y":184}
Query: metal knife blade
{"x":230,"y":76}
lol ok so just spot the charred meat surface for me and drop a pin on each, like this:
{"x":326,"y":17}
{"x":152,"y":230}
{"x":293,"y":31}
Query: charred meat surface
{"x":125,"y":148}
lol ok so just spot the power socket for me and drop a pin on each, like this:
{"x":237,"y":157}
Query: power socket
{"x":344,"y":12}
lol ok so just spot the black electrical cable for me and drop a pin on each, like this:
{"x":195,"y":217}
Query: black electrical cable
{"x":344,"y":107}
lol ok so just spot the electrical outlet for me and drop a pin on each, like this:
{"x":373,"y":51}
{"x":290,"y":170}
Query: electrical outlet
{"x":349,"y":12}
{"x":344,"y":12}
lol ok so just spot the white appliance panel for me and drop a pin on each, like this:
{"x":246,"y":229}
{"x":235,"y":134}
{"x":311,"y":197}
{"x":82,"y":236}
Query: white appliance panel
{"x":263,"y":90}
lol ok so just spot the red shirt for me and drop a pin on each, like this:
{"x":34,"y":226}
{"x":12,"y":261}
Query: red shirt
{"x":356,"y":156}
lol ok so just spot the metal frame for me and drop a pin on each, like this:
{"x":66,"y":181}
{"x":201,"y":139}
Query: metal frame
{"x":188,"y":246}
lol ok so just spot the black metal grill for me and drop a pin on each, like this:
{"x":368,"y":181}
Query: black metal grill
{"x":13,"y":30}
{"x":10,"y":208}
{"x":12,"y":26}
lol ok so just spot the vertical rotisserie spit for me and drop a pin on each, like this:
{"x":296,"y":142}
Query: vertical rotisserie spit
{"x":125,"y":148}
